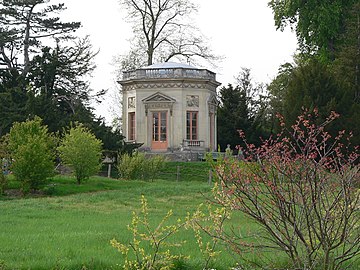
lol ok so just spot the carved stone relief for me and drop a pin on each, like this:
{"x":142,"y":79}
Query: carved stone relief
{"x":192,"y":101}
{"x":131,"y":102}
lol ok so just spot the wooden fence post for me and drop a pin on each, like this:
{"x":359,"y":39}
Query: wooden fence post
{"x":109,"y":171}
{"x":177,"y":173}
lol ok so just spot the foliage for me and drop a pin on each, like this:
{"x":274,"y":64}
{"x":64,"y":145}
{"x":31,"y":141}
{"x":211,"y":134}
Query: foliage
{"x":25,"y":24}
{"x":303,"y":191}
{"x":211,"y":222}
{"x":318,"y":24}
{"x":326,"y":74}
{"x":138,"y":166}
{"x":159,"y":255}
{"x":311,"y":85}
{"x":2,"y":265}
{"x":278,"y":89}
{"x":60,"y":91}
{"x":52,"y":80}
{"x":233,"y":106}
{"x":242,"y":107}
{"x":4,"y":157}
{"x":32,"y":152}
{"x":81,"y":150}
{"x":3,"y":180}
{"x":347,"y":71}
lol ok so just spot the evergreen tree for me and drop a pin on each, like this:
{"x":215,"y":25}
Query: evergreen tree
{"x":243,"y":107}
{"x":311,"y":85}
{"x":232,"y":116}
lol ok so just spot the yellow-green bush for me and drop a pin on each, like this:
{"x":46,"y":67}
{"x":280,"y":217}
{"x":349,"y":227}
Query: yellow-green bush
{"x":138,"y":166}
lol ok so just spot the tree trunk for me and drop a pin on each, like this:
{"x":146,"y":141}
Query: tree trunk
{"x":27,"y":43}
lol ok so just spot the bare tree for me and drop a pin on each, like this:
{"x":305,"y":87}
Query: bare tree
{"x":163,"y":31}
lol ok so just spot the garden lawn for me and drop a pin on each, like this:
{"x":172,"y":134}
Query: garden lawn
{"x":72,"y":227}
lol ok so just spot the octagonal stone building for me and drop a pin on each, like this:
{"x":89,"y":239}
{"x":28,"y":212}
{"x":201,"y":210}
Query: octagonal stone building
{"x":169,"y":107}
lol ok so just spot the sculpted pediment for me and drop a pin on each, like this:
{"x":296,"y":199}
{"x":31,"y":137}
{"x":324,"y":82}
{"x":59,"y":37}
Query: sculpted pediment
{"x":158,"y":97}
{"x":158,"y":101}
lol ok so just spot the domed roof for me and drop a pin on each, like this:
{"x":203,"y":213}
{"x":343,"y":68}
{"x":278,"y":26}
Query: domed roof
{"x":169,"y":65}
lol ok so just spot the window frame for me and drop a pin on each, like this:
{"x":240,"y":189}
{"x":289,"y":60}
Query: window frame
{"x":131,"y":126}
{"x":192,"y":129}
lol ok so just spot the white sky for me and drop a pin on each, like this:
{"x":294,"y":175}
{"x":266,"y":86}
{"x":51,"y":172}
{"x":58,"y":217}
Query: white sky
{"x":242,"y":31}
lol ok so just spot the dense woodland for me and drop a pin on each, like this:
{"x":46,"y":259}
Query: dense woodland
{"x":45,"y":67}
{"x":324,"y":74}
{"x":44,"y":71}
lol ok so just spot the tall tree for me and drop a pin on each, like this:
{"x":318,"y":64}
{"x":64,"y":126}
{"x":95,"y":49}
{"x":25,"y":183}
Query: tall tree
{"x":25,"y":24}
{"x":242,"y":107}
{"x":346,"y":69}
{"x":277,"y":91}
{"x":59,"y":87}
{"x":232,"y":115}
{"x":49,"y":80}
{"x":311,"y":85}
{"x":162,"y":31}
{"x":318,"y":23}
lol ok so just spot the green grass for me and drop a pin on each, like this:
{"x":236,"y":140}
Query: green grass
{"x":72,"y":227}
{"x":185,"y":171}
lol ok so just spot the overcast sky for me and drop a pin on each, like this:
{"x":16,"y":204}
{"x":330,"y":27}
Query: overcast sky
{"x":242,"y":31}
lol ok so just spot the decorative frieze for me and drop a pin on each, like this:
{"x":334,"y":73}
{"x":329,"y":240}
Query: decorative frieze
{"x":167,"y":86}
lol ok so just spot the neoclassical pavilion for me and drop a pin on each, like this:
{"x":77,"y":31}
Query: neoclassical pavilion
{"x":169,"y":107}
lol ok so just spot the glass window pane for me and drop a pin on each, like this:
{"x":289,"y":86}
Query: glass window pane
{"x":155,"y":126}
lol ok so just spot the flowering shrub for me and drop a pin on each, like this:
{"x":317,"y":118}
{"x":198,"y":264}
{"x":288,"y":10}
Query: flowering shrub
{"x":300,"y":187}
{"x":158,"y":256}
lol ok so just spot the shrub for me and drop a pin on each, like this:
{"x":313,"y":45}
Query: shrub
{"x":3,"y":181}
{"x":302,"y":192}
{"x":130,"y":166}
{"x":149,"y":247}
{"x":81,"y":150}
{"x":137,"y":166}
{"x":4,"y":157}
{"x":31,"y":148}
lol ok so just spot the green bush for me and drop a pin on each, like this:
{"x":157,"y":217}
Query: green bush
{"x":3,"y":182}
{"x":138,"y":166}
{"x":31,"y":148}
{"x":81,"y":150}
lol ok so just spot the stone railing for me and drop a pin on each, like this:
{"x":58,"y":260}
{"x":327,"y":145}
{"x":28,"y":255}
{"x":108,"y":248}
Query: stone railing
{"x":154,"y":73}
{"x":193,"y":143}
